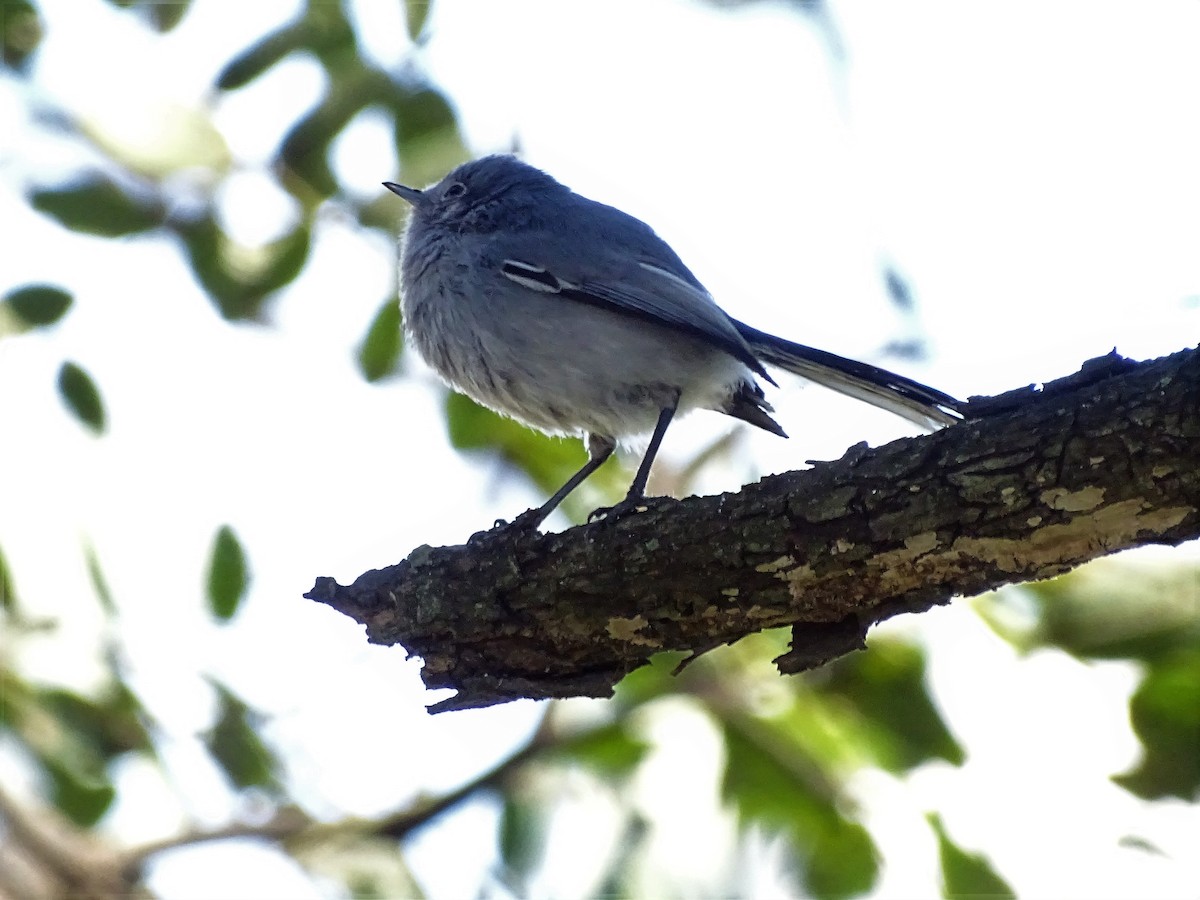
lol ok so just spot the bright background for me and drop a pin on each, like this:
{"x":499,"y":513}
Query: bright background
{"x":1028,"y":169}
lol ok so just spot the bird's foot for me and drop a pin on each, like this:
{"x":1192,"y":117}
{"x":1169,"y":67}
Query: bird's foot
{"x":526,"y":521}
{"x":623,"y":510}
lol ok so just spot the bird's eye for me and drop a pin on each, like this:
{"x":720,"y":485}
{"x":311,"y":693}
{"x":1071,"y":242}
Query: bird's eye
{"x":457,"y":189}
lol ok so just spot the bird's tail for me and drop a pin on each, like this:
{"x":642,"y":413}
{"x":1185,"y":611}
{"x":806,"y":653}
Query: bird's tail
{"x":910,"y":399}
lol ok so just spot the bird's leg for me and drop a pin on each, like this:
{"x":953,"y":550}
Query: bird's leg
{"x":600,"y":448}
{"x":637,"y":490}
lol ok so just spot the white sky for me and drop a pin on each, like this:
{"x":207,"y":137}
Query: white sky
{"x":1029,"y":168}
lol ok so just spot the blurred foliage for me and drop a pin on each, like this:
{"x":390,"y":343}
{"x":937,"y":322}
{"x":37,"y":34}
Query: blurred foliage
{"x":169,"y":184}
{"x":8,"y":597}
{"x":524,"y":821}
{"x":613,"y":752}
{"x":1166,"y":717}
{"x":369,"y":868}
{"x":965,"y":874}
{"x":885,"y":695}
{"x":548,"y":461}
{"x":1122,"y":609}
{"x":20,"y":31}
{"x":99,"y":582}
{"x":239,"y":280}
{"x":789,"y":746}
{"x":619,"y":879}
{"x":416,"y":15}
{"x":71,"y":737}
{"x":162,"y":15}
{"x":228,"y":575}
{"x":37,"y":304}
{"x":134,"y":194}
{"x":379,"y":352}
{"x":235,"y":745}
{"x":771,"y":781}
{"x":74,"y":739}
{"x":81,"y":396}
{"x":474,"y":427}
{"x":96,"y":204}
{"x":426,"y":131}
{"x":1087,"y":612}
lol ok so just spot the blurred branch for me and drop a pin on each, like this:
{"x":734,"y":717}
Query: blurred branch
{"x":285,"y":824}
{"x":294,"y":828}
{"x":43,"y":856}
{"x":401,"y":824}
{"x":1035,"y":483}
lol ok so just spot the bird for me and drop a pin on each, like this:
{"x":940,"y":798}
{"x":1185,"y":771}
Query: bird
{"x":575,"y":318}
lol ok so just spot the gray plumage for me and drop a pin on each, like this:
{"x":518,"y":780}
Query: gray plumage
{"x":575,"y":318}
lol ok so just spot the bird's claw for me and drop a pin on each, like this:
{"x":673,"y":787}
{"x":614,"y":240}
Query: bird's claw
{"x":526,"y":521}
{"x":627,"y":507}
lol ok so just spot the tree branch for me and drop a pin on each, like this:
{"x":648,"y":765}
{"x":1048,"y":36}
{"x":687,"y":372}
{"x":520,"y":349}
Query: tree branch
{"x":44,"y":855}
{"x":1033,"y":484}
{"x":290,"y":826}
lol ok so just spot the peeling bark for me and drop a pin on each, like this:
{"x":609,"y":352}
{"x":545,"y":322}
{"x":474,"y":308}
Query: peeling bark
{"x":1035,"y":483}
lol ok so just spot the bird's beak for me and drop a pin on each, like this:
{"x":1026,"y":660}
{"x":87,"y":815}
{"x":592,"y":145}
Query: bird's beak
{"x":412,"y":195}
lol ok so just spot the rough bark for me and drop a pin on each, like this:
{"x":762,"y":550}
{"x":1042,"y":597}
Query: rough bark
{"x":1033,"y":484}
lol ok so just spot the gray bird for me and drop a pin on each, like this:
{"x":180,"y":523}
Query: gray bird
{"x":575,"y":318}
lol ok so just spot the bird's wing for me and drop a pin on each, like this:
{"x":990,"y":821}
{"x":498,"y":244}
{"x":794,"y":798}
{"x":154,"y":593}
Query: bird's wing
{"x":626,"y":283}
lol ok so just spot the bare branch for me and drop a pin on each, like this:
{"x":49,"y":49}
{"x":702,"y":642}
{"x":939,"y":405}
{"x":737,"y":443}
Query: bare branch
{"x":1036,"y":483}
{"x":44,"y":855}
{"x":292,"y":827}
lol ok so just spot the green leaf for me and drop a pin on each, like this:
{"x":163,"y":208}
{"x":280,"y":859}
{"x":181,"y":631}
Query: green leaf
{"x":262,"y":55}
{"x":619,"y":875}
{"x":545,"y":459}
{"x":522,"y":839}
{"x":166,"y":15}
{"x":420,"y":112}
{"x":649,"y":682}
{"x":282,"y":260}
{"x":240,"y":279}
{"x":842,"y":860}
{"x":74,"y":738}
{"x":204,"y":243}
{"x":427,"y":138}
{"x":331,"y":36}
{"x":228,"y":575}
{"x":14,"y":698}
{"x":304,"y":153}
{"x":379,"y":352}
{"x":965,"y":874}
{"x":887,"y":689}
{"x":38,"y":304}
{"x":1120,"y":609}
{"x":234,"y":744}
{"x":1165,"y":710}
{"x":548,"y":461}
{"x":98,"y":206}
{"x":610,"y":751}
{"x":95,"y":730}
{"x":417,"y":14}
{"x":21,"y":32}
{"x":8,"y":592}
{"x":770,"y":782}
{"x":81,"y":798}
{"x":1137,"y":842}
{"x":82,"y":396}
{"x":99,"y":582}
{"x":163,"y":15}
